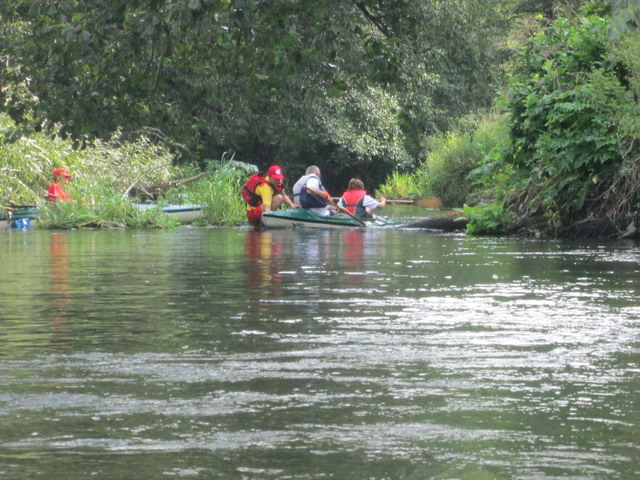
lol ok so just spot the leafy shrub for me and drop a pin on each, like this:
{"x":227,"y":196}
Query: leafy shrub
{"x":565,"y":103}
{"x":487,"y":219}
{"x":399,"y":185}
{"x":452,"y":156}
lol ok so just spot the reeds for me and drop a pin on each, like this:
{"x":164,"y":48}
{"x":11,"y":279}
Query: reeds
{"x":401,"y":186}
{"x":218,"y":193}
{"x":101,"y":208}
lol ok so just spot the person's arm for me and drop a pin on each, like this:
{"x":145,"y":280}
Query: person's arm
{"x":266,"y":194}
{"x":313,"y":187}
{"x":288,"y":201}
{"x":370,"y":202}
{"x":318,"y":193}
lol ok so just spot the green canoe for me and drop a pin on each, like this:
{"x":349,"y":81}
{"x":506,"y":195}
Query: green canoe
{"x":301,"y":218}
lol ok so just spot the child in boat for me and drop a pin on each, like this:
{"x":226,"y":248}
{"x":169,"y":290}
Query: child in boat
{"x":357,"y":202}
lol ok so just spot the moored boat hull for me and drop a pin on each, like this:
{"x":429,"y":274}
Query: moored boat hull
{"x":184,"y":213}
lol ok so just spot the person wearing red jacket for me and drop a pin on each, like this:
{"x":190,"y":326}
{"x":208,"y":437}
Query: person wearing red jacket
{"x":357,"y":202}
{"x":265,"y":193}
{"x":56,"y":192}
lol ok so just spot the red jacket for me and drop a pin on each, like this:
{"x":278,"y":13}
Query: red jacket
{"x":57,"y":193}
{"x":352,"y":198}
{"x":249,"y":190}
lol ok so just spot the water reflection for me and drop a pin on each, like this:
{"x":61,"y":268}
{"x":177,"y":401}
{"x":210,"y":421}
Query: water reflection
{"x":353,"y":250}
{"x":226,"y":353}
{"x":60,"y":290}
{"x":263,"y":255}
{"x":313,"y":249}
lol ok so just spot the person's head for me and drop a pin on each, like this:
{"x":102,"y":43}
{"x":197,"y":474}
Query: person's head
{"x":275,"y":174}
{"x":356,"y":184}
{"x":61,"y":172}
{"x":313,"y":170}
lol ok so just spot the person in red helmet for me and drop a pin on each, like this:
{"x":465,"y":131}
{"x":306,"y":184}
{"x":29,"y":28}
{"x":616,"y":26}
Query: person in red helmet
{"x":56,"y":192}
{"x":265,"y":193}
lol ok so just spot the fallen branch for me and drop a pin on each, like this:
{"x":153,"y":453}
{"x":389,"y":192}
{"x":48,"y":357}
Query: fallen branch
{"x":140,"y":177}
{"x":155,"y":190}
{"x":446,"y":223}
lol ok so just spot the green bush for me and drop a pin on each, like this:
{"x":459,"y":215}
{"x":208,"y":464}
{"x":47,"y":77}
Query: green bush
{"x":400,"y":185}
{"x":566,"y":101}
{"x":218,"y":193}
{"x":487,"y":219}
{"x":453,"y":156}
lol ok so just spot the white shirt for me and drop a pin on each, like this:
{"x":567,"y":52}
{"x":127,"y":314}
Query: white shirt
{"x":302,"y":181}
{"x":314,"y":182}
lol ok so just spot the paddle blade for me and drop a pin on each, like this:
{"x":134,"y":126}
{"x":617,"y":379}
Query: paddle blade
{"x":430,"y":202}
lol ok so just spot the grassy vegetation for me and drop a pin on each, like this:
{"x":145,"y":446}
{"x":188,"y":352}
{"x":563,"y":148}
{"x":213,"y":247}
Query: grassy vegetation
{"x":456,"y":164}
{"x":103,"y":174}
{"x":218,"y":193}
{"x":112,"y":211}
{"x":401,"y":185}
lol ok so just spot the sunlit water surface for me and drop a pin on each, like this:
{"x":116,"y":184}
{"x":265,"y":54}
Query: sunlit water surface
{"x":378,"y":354}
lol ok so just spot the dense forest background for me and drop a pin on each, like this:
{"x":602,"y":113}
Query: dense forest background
{"x":528,"y":109}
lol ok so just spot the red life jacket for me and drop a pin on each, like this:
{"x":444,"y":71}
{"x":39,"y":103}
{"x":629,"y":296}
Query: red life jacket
{"x":352,"y":198}
{"x":56,"y":192}
{"x":249,"y":190}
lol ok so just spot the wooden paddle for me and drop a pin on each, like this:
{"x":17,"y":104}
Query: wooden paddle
{"x":344,"y":210}
{"x":434,"y":203}
{"x":333,"y":202}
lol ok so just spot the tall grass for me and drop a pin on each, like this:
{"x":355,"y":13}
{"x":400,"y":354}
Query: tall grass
{"x":218,"y":193}
{"x":27,"y":163}
{"x":102,"y":173}
{"x":110,"y":211}
{"x":400,"y":185}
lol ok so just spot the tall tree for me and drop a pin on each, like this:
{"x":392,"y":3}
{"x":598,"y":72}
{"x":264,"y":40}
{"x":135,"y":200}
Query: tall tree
{"x":265,"y":78}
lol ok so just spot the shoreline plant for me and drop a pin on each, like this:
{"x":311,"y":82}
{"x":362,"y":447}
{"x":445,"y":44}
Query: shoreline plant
{"x":104,"y":173}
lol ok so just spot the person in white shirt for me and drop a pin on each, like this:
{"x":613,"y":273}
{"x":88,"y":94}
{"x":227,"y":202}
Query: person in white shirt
{"x":309,"y":192}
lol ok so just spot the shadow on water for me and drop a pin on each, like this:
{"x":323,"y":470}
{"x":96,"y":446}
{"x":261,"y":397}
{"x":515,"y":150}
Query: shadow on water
{"x":231,"y":353}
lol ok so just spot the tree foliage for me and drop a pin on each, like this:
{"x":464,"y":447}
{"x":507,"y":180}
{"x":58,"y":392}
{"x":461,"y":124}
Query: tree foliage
{"x":568,"y":100}
{"x":269,"y":80}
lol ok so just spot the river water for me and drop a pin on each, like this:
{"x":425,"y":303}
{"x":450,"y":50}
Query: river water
{"x":381,"y":354}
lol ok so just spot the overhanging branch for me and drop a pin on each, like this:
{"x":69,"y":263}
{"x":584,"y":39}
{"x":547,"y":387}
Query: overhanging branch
{"x":376,"y":21}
